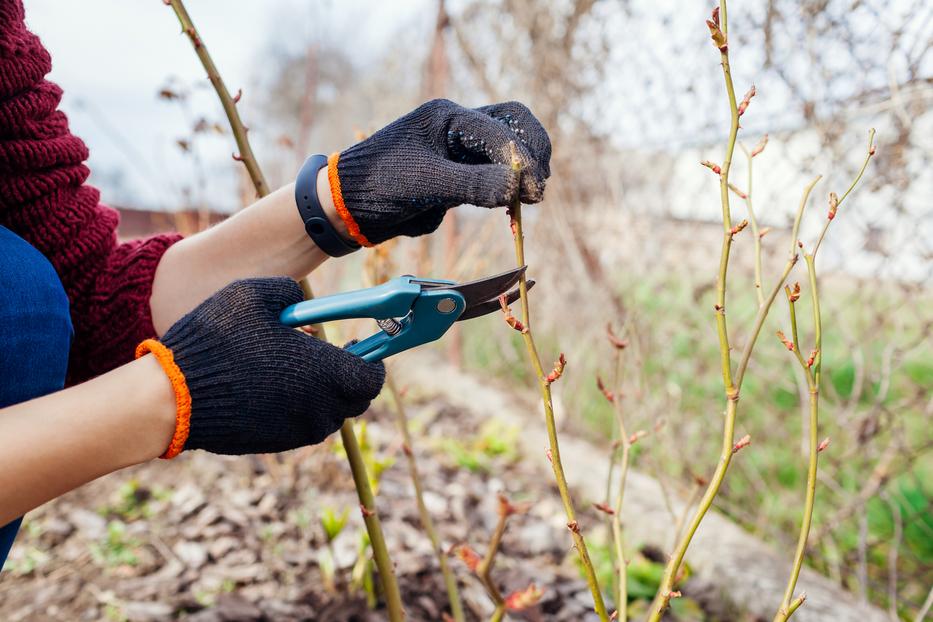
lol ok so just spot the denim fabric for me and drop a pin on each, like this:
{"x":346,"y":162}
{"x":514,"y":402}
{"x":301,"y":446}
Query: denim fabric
{"x":35,"y":333}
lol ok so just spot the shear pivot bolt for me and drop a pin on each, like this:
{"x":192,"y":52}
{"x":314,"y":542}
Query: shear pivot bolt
{"x":446,"y":305}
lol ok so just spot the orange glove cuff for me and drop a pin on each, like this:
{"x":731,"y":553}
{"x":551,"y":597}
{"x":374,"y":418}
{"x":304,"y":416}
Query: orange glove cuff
{"x":337,"y":194}
{"x":179,"y":386}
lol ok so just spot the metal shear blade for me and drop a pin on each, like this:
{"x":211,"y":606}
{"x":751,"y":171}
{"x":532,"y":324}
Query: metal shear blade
{"x":482,"y":295}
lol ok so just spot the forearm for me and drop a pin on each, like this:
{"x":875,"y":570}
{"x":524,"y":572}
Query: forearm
{"x":265,"y":239}
{"x":61,"y":441}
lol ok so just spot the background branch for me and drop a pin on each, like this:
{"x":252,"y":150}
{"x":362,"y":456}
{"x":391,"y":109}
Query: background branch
{"x":350,"y":443}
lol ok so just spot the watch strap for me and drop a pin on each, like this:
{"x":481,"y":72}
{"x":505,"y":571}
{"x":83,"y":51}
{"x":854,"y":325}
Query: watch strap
{"x":317,"y":224}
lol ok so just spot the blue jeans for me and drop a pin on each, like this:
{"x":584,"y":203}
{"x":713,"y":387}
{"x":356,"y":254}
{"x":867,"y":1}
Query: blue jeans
{"x":35,"y":334}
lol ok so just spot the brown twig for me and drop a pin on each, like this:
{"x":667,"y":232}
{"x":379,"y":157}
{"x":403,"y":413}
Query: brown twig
{"x":515,"y":215}
{"x":482,"y":566}
{"x":350,"y":443}
{"x":427,"y":523}
{"x":226,"y":100}
{"x":614,"y":511}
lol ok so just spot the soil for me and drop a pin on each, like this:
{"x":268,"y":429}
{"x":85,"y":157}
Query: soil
{"x":212,"y":538}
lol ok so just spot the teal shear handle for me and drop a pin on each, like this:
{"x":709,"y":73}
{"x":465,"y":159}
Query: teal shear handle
{"x":409,"y":311}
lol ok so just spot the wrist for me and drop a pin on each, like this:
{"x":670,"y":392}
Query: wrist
{"x":160,"y":414}
{"x":175,"y":413}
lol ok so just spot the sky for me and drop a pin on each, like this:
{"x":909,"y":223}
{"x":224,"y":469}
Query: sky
{"x":111,"y":58}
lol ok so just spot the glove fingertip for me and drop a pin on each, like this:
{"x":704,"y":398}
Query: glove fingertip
{"x":283,"y":291}
{"x":532,"y":190}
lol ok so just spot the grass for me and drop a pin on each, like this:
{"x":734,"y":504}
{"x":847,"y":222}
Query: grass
{"x":680,"y":368}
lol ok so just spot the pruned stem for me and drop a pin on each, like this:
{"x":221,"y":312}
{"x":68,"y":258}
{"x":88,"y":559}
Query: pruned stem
{"x":515,"y":213}
{"x":350,"y":443}
{"x":427,"y":523}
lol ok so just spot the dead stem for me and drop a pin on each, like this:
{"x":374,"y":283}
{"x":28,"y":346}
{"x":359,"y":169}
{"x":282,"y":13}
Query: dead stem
{"x":618,"y":537}
{"x":453,"y":594}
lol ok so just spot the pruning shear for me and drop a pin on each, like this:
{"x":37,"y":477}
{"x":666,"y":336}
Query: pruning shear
{"x":409,"y":311}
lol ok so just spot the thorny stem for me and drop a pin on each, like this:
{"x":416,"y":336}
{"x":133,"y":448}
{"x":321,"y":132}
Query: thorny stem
{"x":350,"y":443}
{"x":515,"y":213}
{"x":453,"y":594}
{"x":226,"y":100}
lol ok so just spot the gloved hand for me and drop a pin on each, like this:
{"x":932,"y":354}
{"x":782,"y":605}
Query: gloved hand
{"x":245,"y":383}
{"x":404,"y":178}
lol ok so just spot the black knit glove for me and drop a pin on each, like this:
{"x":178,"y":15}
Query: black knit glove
{"x":403,"y":179}
{"x":256,"y":385}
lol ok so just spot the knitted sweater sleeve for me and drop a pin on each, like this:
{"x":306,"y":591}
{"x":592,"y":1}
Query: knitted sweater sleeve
{"x":44,"y":200}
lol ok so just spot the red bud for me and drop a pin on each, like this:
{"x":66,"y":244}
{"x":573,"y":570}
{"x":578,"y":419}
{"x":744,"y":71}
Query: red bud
{"x":468,"y":556}
{"x":712,"y":166}
{"x":744,"y":442}
{"x":760,"y":146}
{"x":510,"y":319}
{"x":609,"y":395}
{"x":738,"y":227}
{"x":619,"y":344}
{"x":523,"y":599}
{"x":602,"y":507}
{"x":746,"y":100}
{"x":558,"y":370}
{"x":812,"y":358}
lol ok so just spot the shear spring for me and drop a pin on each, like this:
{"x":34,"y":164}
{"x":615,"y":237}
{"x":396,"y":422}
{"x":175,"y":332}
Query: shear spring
{"x":390,"y":326}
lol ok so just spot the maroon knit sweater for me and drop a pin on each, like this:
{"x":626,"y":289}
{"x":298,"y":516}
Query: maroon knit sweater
{"x":43,"y":199}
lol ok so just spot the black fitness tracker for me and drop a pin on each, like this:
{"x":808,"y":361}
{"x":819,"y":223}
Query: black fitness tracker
{"x":317,"y":224}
